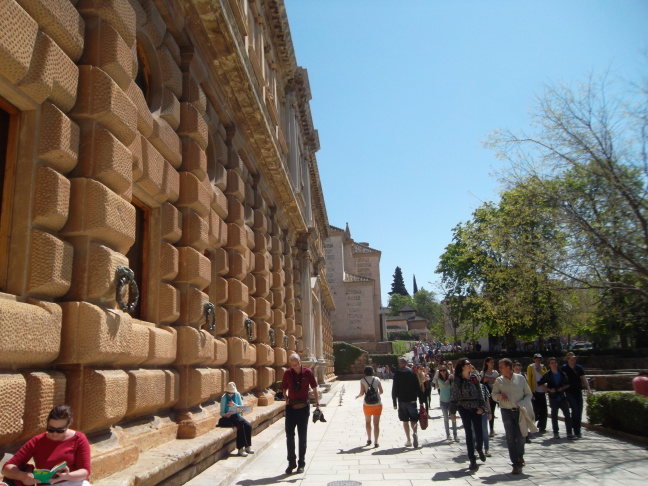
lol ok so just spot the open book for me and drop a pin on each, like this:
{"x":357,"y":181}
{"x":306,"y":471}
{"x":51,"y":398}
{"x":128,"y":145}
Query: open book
{"x":237,"y":409}
{"x":45,"y":475}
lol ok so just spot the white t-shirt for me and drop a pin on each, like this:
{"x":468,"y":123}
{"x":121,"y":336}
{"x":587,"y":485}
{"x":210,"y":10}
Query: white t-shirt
{"x":373,"y":381}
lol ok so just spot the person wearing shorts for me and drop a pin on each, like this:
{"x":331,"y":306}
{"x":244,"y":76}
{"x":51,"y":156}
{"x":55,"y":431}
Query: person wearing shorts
{"x":371,"y":409}
{"x":406,"y":391}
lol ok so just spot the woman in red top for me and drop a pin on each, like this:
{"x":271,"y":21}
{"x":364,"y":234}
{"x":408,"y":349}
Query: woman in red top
{"x":59,"y":443}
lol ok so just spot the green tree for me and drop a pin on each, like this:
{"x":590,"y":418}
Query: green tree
{"x":398,"y":285}
{"x":428,"y":307}
{"x":397,"y":302}
{"x":414,"y":286}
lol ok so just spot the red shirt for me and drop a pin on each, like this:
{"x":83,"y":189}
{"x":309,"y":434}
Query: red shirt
{"x":305,"y":378}
{"x":47,"y":453}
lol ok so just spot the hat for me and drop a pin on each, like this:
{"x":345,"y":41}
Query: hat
{"x":537,"y":355}
{"x":402,"y":360}
{"x":231,"y":387}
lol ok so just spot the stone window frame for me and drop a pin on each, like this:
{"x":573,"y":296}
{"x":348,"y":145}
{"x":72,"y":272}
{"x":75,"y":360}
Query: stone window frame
{"x":147,"y":53}
{"x":7,"y":181}
{"x":143,"y":247}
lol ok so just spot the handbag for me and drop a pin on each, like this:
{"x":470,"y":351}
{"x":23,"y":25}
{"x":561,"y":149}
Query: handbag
{"x":423,"y":417}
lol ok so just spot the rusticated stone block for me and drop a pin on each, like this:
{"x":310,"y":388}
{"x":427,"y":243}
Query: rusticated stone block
{"x":100,"y":214}
{"x":265,"y":377}
{"x":151,"y":390}
{"x":163,"y":345}
{"x":217,"y":231}
{"x":265,"y":356}
{"x":238,"y":267}
{"x":277,"y":263}
{"x":260,"y":242}
{"x":262,"y":334}
{"x":193,"y":93}
{"x":195,"y":231}
{"x":290,"y":294}
{"x":93,"y":336}
{"x":220,"y":352}
{"x":278,"y":295}
{"x":194,"y":160}
{"x":245,"y":378}
{"x":192,"y":301}
{"x":249,"y":197}
{"x":170,"y":109}
{"x":106,"y":49}
{"x":17,"y":47}
{"x":103,"y":400}
{"x":50,"y":265}
{"x":169,"y":262}
{"x":222,"y":321}
{"x":170,"y":223}
{"x":106,"y":159}
{"x":250,"y":283}
{"x":118,"y":13}
{"x":52,"y":75}
{"x":217,"y":159}
{"x":279,"y":337}
{"x":261,"y":263}
{"x":279,"y":320}
{"x":194,"y":268}
{"x":94,"y":270}
{"x":197,"y":385}
{"x":219,"y":202}
{"x":250,"y":308}
{"x":51,"y":199}
{"x":262,"y":286}
{"x":248,"y":217}
{"x":193,"y":194}
{"x":144,"y":118}
{"x":237,"y":293}
{"x":220,"y":261}
{"x":240,"y":352}
{"x":30,"y":333}
{"x":169,"y":304}
{"x":235,"y":185}
{"x":194,"y":346}
{"x":237,"y":326}
{"x":171,"y":73}
{"x":249,"y":235}
{"x":218,"y":290}
{"x":150,"y":181}
{"x":275,"y":245}
{"x":290,"y":326}
{"x":138,"y":347}
{"x":13,"y":388}
{"x":167,"y":142}
{"x":58,"y":146}
{"x":236,"y":238}
{"x":290,"y":310}
{"x":281,"y":357}
{"x":260,"y":221}
{"x":44,"y":391}
{"x":170,"y":185}
{"x":152,"y":22}
{"x":270,"y":299}
{"x":102,"y":100}
{"x":193,"y":125}
{"x":298,"y":330}
{"x":288,"y":262}
{"x":235,"y":211}
{"x":263,"y":310}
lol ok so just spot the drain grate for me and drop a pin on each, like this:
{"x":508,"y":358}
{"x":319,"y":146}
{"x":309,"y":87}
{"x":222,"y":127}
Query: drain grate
{"x":345,"y":483}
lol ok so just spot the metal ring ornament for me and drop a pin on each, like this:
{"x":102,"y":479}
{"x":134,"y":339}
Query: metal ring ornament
{"x":125,"y":276}
{"x":296,"y":344}
{"x":210,"y":315}
{"x":286,"y":342}
{"x":248,"y":327}
{"x":271,"y":333}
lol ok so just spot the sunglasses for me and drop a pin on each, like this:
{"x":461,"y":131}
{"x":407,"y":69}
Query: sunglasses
{"x":52,"y":430}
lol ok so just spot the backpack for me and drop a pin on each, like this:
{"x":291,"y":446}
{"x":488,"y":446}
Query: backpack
{"x":371,"y":394}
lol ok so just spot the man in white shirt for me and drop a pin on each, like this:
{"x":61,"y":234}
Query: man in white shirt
{"x":509,"y":390}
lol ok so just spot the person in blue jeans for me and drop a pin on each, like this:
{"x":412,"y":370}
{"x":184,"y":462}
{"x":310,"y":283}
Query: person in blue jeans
{"x":444,"y":385}
{"x":555,"y":382}
{"x":577,"y":381}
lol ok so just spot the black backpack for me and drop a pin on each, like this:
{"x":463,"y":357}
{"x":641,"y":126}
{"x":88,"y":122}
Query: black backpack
{"x":371,"y":394}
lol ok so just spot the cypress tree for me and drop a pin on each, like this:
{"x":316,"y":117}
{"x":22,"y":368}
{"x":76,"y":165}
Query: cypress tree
{"x":398,"y":285}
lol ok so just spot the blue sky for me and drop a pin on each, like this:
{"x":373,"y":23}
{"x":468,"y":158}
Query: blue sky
{"x":405,"y":92}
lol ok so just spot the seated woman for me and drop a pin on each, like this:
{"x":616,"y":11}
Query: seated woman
{"x":232,"y":398}
{"x":58,"y":444}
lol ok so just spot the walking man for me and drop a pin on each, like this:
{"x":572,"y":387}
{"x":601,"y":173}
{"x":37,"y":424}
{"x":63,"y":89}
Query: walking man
{"x":405,"y":392}
{"x":534,"y":374}
{"x":295,"y":385}
{"x":577,"y":382}
{"x":509,"y":390}
{"x":555,"y":382}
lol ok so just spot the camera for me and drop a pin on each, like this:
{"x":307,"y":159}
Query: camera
{"x":297,"y":385}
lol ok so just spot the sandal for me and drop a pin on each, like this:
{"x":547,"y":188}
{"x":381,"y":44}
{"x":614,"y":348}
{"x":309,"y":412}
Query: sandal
{"x":368,"y":442}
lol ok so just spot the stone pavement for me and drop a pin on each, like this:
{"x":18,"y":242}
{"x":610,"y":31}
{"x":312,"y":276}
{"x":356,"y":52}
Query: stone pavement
{"x":336,"y":453}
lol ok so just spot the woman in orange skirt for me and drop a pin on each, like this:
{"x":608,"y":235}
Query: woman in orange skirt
{"x":372,"y":404}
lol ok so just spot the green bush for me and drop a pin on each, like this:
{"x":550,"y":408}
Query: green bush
{"x":627,"y":412}
{"x":384,"y":359}
{"x":399,"y":348}
{"x":401,"y":336}
{"x":345,"y":355}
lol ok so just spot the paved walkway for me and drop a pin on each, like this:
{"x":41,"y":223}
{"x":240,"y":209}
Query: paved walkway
{"x":336,"y":452}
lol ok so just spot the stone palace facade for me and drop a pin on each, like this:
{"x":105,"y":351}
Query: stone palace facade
{"x":162,"y":223}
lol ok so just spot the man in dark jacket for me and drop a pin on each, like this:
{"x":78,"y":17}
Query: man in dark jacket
{"x":405,"y":392}
{"x":555,"y":382}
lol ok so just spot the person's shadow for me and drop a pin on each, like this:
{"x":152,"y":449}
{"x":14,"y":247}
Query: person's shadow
{"x":448,"y":475}
{"x":355,"y":450}
{"x":281,"y":478}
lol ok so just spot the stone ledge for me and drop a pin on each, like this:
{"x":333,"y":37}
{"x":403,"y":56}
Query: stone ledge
{"x":176,"y":462}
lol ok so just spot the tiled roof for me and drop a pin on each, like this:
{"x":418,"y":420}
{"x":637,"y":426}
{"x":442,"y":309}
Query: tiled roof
{"x":349,"y":277}
{"x":407,"y":308}
{"x":358,"y":248}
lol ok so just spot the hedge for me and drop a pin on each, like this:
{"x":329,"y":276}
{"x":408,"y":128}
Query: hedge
{"x":401,"y":336}
{"x":399,"y":348}
{"x":627,"y":412}
{"x":384,"y":359}
{"x":345,"y":355}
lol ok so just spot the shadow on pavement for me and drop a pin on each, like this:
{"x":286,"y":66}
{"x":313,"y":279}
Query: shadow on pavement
{"x":448,"y":475}
{"x":355,"y":450}
{"x":395,"y":450}
{"x":281,"y":478}
{"x":501,"y":478}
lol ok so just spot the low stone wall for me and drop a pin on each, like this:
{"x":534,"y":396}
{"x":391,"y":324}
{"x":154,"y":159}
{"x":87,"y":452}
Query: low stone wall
{"x":383,"y":347}
{"x":612,"y":382}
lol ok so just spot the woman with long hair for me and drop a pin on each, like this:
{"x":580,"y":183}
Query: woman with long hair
{"x":467,"y":398}
{"x":488,"y":376}
{"x":373,"y":409}
{"x":444,"y":384}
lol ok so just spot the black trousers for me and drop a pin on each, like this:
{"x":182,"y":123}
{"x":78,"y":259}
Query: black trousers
{"x":540,"y":409}
{"x":243,"y":429}
{"x":472,"y":421}
{"x":297,"y":419}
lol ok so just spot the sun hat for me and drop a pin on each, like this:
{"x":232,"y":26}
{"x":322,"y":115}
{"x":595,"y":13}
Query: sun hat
{"x":231,"y":387}
{"x":537,"y":355}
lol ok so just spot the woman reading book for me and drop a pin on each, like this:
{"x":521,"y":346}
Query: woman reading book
{"x":56,"y":445}
{"x":231,"y":401}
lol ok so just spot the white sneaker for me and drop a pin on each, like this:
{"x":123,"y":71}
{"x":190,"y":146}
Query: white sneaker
{"x":249,"y":450}
{"x":408,"y":444}
{"x":415,"y":440}
{"x":242,"y":453}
